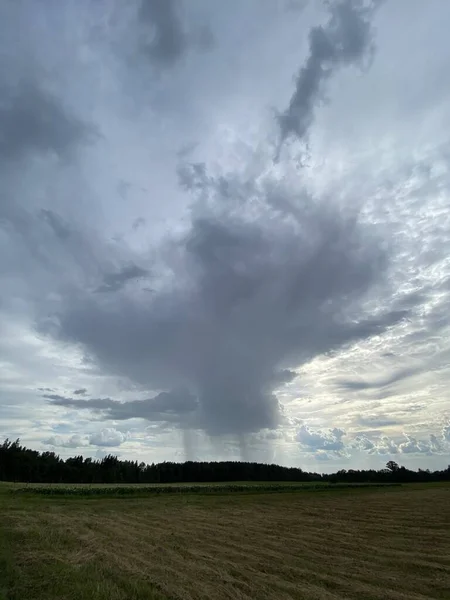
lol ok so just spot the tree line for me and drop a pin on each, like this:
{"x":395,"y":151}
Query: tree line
{"x":18,"y":463}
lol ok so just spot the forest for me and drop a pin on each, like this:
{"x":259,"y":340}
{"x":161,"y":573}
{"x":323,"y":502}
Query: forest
{"x":18,"y":463}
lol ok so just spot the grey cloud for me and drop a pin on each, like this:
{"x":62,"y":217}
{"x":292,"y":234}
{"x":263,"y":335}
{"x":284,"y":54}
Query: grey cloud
{"x":262,"y":279}
{"x":204,"y":38}
{"x":54,"y":397}
{"x":113,"y":282}
{"x":240,"y":300}
{"x":80,"y":392}
{"x":345,"y":39}
{"x":165,"y":40}
{"x":176,"y":407}
{"x":138,"y":222}
{"x":295,"y":5}
{"x":59,"y":227}
{"x":164,"y":34}
{"x":34,"y":121}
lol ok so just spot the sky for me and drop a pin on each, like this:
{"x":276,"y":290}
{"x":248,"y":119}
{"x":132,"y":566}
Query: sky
{"x":225,"y":230}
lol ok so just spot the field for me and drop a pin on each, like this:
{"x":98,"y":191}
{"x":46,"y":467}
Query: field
{"x":297,"y":543}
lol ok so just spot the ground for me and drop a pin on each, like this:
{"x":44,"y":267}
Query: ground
{"x":369,"y":543}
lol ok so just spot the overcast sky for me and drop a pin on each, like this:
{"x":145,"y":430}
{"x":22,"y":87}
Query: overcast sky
{"x":225,"y":230}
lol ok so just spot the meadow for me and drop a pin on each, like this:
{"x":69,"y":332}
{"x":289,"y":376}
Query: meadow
{"x":299,"y":542}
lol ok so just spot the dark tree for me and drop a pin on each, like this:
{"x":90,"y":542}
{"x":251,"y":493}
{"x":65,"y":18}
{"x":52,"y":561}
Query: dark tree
{"x":18,"y":463}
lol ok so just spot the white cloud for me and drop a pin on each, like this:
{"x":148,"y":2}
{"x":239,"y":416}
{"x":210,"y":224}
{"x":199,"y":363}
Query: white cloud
{"x":446,"y":432}
{"x":329,"y":440}
{"x":412,"y":446}
{"x":107,"y":437}
{"x":73,"y":441}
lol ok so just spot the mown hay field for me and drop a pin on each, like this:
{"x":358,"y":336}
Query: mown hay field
{"x":361,"y":543}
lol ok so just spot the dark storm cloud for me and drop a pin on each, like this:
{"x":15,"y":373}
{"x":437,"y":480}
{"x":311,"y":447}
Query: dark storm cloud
{"x":241,"y":302}
{"x":113,"y":282}
{"x":34,"y":121}
{"x":345,"y":39}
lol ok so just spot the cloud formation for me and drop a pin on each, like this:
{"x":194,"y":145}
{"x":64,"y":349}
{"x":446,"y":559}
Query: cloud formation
{"x":113,"y":282}
{"x":73,"y":441}
{"x":160,"y":33}
{"x":108,"y":437}
{"x":344,"y":40}
{"x":238,"y":301}
{"x":166,"y":39}
{"x":328,"y":441}
{"x":384,"y":445}
{"x":176,"y":408}
{"x":33,"y":121}
{"x":229,"y":294}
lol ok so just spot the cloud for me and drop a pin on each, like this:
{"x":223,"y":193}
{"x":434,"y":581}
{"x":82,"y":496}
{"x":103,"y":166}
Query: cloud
{"x":58,"y":226}
{"x":295,"y":5}
{"x":285,"y":376}
{"x":383,"y":445}
{"x":164,"y":36}
{"x":258,"y":271}
{"x":436,"y":445}
{"x":177,"y":407}
{"x":362,"y":442}
{"x":74,"y":441}
{"x":113,"y":282}
{"x":166,"y":41}
{"x":376,"y":421}
{"x":80,"y":392}
{"x":344,"y":40}
{"x":138,"y":222}
{"x":432,"y":445}
{"x":348,"y":384}
{"x":33,"y":121}
{"x":107,"y":437}
{"x":237,"y":300}
{"x":104,"y":438}
{"x":321,"y":440}
{"x":413,"y":446}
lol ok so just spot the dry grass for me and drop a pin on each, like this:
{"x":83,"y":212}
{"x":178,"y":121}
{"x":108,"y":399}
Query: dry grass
{"x":374,"y":544}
